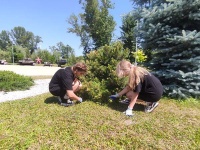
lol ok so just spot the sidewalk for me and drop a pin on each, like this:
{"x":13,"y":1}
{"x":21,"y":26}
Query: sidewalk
{"x":30,"y":70}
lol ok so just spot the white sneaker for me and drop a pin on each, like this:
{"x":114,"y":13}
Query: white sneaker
{"x":67,"y":103}
{"x":150,"y":106}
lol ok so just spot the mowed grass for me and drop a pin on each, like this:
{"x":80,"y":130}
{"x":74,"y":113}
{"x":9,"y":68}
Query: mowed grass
{"x":40,"y":123}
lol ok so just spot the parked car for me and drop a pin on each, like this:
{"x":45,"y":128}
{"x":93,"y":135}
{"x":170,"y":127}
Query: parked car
{"x":3,"y":62}
{"x":26,"y":61}
{"x":48,"y":64}
{"x":61,"y":62}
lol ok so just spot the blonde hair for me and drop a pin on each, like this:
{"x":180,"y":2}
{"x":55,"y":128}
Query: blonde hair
{"x":136,"y":73}
{"x":80,"y":66}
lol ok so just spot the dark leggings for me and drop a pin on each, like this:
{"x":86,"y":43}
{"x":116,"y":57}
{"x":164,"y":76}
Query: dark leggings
{"x":57,"y":91}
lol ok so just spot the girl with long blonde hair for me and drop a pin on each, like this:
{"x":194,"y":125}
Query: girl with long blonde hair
{"x":142,"y":85}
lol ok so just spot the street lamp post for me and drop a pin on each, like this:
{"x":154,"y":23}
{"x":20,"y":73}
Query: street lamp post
{"x":12,"y":55}
{"x":136,"y":44}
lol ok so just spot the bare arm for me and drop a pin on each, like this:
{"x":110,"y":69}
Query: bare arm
{"x":124,"y":91}
{"x":133,"y":100}
{"x":72,"y":95}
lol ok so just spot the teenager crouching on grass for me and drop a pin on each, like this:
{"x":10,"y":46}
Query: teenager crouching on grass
{"x":142,"y":86}
{"x":65,"y":82}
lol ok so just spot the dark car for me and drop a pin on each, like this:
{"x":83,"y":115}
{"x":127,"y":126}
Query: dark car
{"x":61,"y":62}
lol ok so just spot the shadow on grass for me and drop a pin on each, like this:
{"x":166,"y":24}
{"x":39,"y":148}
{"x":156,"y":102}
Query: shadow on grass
{"x":122,"y":107}
{"x":51,"y":100}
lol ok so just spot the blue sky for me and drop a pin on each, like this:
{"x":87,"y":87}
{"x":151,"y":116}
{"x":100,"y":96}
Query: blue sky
{"x":48,"y":19}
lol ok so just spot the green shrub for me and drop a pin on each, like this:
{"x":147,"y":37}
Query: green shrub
{"x":4,"y":55}
{"x":139,"y":55}
{"x":95,"y":91}
{"x":10,"y":81}
{"x":101,"y":80}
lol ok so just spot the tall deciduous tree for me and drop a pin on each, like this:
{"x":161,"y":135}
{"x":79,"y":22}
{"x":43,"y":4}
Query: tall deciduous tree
{"x":25,"y":38}
{"x":172,"y":30}
{"x":95,"y":26}
{"x":45,"y":55}
{"x":4,"y":40}
{"x":127,"y":34}
{"x":33,"y":43}
{"x":63,"y":51}
{"x":78,"y":29}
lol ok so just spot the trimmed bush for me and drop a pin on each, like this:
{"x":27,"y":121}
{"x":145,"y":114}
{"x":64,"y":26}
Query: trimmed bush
{"x":10,"y":81}
{"x":101,"y":80}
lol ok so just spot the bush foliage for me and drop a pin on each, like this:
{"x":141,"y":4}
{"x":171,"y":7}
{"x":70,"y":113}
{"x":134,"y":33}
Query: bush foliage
{"x":101,"y":80}
{"x":10,"y":81}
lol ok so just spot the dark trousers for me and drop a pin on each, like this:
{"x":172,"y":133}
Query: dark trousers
{"x":57,"y":91}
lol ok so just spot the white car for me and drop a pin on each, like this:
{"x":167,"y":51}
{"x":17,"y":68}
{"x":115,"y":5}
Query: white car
{"x":3,"y":62}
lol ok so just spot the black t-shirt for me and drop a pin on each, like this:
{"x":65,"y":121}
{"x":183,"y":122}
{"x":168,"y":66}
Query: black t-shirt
{"x":63,"y":78}
{"x":150,"y":89}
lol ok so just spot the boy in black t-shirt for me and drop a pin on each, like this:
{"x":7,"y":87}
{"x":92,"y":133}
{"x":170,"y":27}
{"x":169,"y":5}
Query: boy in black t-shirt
{"x":142,"y":86}
{"x":65,"y":83}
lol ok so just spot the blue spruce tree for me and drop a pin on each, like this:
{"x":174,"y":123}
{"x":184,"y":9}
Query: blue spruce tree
{"x":172,"y":31}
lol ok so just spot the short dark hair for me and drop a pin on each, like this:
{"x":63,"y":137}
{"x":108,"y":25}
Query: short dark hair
{"x":80,"y":66}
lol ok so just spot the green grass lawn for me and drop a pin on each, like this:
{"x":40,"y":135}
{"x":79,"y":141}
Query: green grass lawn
{"x":40,"y":123}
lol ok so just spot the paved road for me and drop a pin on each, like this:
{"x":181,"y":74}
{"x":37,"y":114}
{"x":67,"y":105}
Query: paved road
{"x":30,"y":70}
